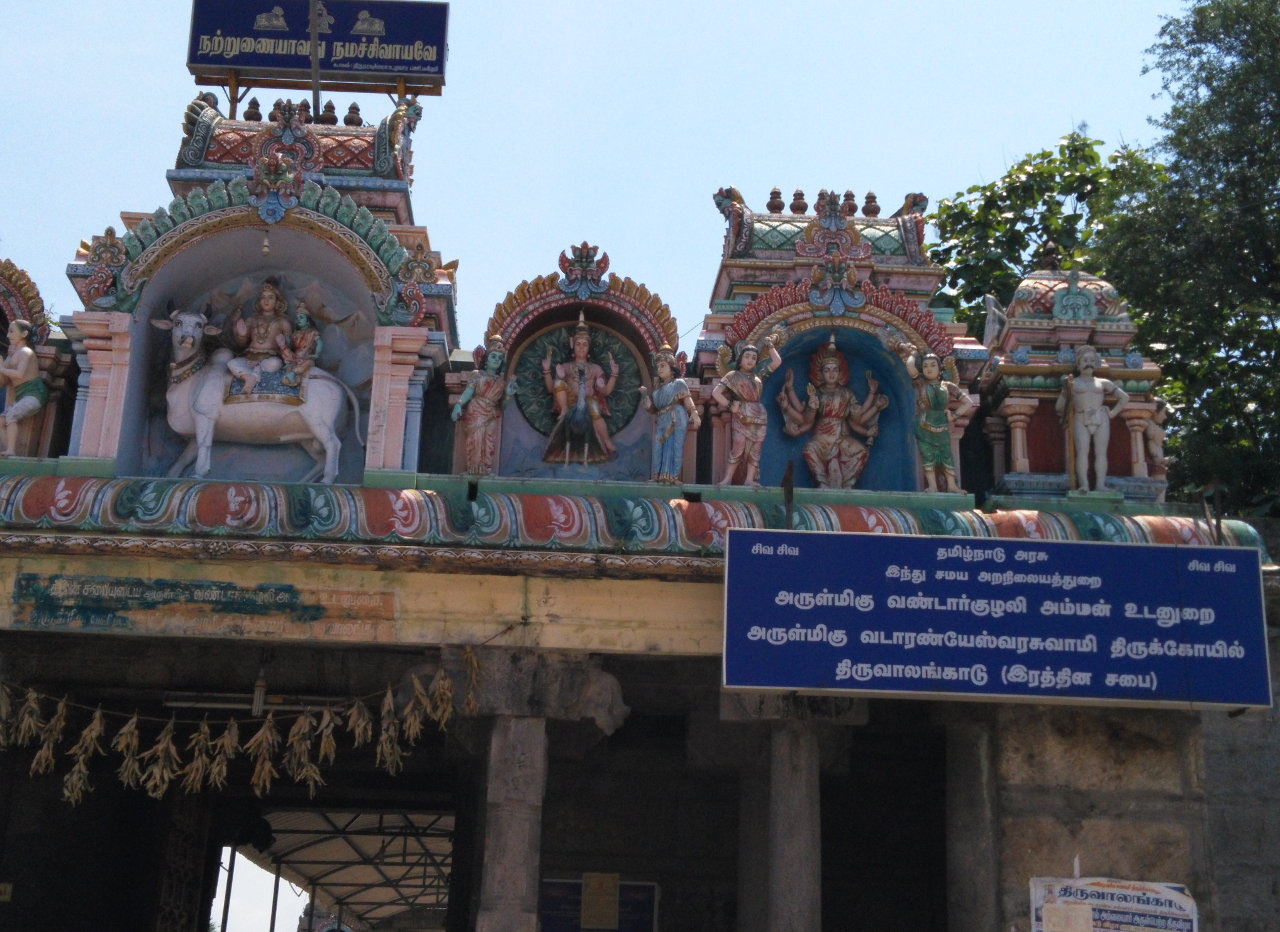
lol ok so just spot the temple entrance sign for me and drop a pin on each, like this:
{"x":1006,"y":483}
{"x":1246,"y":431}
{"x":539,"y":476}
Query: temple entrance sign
{"x":1045,"y":621}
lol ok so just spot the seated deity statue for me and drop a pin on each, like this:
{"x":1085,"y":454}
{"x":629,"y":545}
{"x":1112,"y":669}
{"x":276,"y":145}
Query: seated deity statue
{"x":264,"y":339}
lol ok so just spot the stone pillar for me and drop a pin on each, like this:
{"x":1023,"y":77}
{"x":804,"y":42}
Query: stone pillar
{"x":972,"y":866}
{"x":795,"y":839}
{"x":1135,"y":418}
{"x":395,"y":360}
{"x":105,"y":338}
{"x":956,"y":432}
{"x":1017,"y":413}
{"x":422,"y":372}
{"x":753,"y":849}
{"x":996,"y":430}
{"x":515,"y":781}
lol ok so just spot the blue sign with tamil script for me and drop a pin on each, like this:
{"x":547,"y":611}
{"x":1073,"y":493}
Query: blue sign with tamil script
{"x":368,"y":41}
{"x":979,"y":618}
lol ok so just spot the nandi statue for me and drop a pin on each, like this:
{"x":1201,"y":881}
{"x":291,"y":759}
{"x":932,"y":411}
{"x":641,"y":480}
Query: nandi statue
{"x":200,"y":408}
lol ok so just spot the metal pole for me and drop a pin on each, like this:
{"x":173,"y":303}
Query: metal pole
{"x":275,"y":897}
{"x":226,"y":896}
{"x":311,"y":910}
{"x":315,"y":60}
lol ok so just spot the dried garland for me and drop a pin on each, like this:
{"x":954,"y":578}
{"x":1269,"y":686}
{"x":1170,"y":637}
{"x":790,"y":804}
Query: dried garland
{"x":155,"y":769}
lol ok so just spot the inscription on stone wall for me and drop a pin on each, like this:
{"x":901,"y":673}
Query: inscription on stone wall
{"x":131,"y":605}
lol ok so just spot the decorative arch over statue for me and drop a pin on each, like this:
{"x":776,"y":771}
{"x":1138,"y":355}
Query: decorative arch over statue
{"x":868,"y":332}
{"x":580,"y":345}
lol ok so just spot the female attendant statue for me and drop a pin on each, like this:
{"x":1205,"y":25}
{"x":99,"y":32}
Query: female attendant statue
{"x":581,"y":392}
{"x":843,"y":427}
{"x":739,"y":390}
{"x":674,"y":413}
{"x":480,"y":407}
{"x":935,"y":398}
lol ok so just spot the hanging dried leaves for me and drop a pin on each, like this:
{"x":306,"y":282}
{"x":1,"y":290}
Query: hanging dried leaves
{"x":30,"y":724}
{"x":418,"y":708}
{"x":330,"y":719}
{"x":441,"y":698}
{"x":76,"y":783}
{"x":262,"y":747}
{"x":126,"y":743}
{"x":209,"y":759}
{"x":360,"y":723}
{"x":390,"y":756}
{"x":474,"y":672}
{"x":297,"y":753}
{"x":162,"y":763}
{"x":200,"y":747}
{"x":50,"y":735}
{"x":224,"y":750}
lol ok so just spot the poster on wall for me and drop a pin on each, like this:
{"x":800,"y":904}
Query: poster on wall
{"x":561,"y":908}
{"x":1100,"y":904}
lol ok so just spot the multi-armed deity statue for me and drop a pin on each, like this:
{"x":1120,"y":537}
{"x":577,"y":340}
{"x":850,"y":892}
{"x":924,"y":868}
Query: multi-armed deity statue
{"x":581,"y":392}
{"x":843,"y":427}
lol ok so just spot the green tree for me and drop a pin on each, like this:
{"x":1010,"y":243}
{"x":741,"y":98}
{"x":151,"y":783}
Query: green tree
{"x":991,"y":235}
{"x":1196,"y":248}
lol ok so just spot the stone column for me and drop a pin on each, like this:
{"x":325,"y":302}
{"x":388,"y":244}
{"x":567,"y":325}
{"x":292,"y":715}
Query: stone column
{"x":753,"y":849}
{"x":1135,"y":418}
{"x":515,"y":782}
{"x":795,"y":839}
{"x":973,"y":879}
{"x":996,"y":431}
{"x":1017,"y":413}
{"x":422,"y":372}
{"x":395,"y":360}
{"x":105,"y":339}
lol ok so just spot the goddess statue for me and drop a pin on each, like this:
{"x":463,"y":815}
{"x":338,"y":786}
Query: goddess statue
{"x":674,"y":413}
{"x":843,"y":427}
{"x":935,"y":413}
{"x":480,"y":407}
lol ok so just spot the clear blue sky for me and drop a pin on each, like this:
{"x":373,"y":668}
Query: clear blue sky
{"x":610,"y":122}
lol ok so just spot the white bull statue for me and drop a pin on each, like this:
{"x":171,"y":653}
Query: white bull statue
{"x":196,"y":409}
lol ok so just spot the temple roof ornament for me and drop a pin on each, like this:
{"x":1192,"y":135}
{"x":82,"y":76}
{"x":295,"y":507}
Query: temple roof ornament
{"x":20,"y":300}
{"x":531,"y":301}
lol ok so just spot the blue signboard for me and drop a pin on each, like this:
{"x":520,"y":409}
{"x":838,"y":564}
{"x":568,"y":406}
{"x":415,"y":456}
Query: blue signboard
{"x":373,"y":40}
{"x":1016,"y":619}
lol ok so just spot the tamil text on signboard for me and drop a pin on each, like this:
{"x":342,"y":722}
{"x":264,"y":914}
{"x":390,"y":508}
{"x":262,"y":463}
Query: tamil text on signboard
{"x":370,"y":42}
{"x":1024,"y":619}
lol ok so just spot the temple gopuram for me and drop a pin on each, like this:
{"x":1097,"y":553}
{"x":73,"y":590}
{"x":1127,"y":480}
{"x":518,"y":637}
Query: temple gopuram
{"x":440,"y":634}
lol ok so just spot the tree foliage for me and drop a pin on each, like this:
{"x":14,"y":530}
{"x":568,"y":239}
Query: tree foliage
{"x":991,"y":235}
{"x":1196,"y":248}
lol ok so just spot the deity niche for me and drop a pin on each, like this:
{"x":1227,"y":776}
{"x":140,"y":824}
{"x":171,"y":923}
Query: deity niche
{"x":843,"y":427}
{"x":577,"y":399}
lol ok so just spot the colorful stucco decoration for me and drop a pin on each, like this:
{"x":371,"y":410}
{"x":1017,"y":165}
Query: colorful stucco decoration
{"x":20,"y":300}
{"x":528,"y":306}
